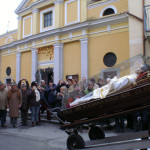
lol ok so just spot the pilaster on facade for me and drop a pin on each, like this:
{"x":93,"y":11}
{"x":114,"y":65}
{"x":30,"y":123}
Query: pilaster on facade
{"x":58,"y":62}
{"x":58,"y":13}
{"x":19,"y":27}
{"x":84,"y":58}
{"x":34,"y":63}
{"x":35,"y":10}
{"x":18,"y":66}
{"x":35,"y":21}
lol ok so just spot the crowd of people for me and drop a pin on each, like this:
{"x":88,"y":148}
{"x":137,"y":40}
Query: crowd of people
{"x":19,"y":98}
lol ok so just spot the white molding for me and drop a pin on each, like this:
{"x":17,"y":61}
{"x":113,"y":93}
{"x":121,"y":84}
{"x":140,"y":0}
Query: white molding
{"x":84,"y":58}
{"x":19,"y":18}
{"x":35,"y":10}
{"x":34,"y":63}
{"x":24,"y":25}
{"x":58,"y":61}
{"x":58,"y":2}
{"x":101,"y":3}
{"x":108,"y":28}
{"x":9,"y":37}
{"x":56,"y":38}
{"x":42,"y":29}
{"x":46,"y":63}
{"x":22,"y":7}
{"x":44,"y":40}
{"x":76,"y":36}
{"x":80,"y":26}
{"x":9,"y":33}
{"x":107,"y":7}
{"x":25,"y":45}
{"x":78,"y":20}
{"x":18,"y":48}
{"x":33,"y":43}
{"x":18,"y":66}
{"x":70,"y":35}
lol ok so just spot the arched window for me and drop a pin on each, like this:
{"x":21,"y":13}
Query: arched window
{"x":108,"y":11}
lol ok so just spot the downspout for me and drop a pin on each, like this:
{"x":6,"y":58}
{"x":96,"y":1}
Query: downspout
{"x":144,"y":39}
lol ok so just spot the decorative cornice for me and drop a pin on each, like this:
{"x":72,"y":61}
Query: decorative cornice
{"x":18,"y":54}
{"x":101,"y":3}
{"x":58,"y":45}
{"x":80,"y":26}
{"x":33,"y":50}
{"x":84,"y":40}
{"x":58,"y":2}
{"x":35,"y":10}
{"x":23,"y":10}
{"x":44,"y":63}
{"x":19,"y":17}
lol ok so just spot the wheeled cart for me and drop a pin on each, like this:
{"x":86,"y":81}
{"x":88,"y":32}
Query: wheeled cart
{"x":131,"y":100}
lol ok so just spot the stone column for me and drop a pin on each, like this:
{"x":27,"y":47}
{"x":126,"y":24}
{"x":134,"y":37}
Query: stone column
{"x":58,"y":13}
{"x":18,"y":66}
{"x":34,"y":63}
{"x":84,"y":58}
{"x":19,"y":28}
{"x":58,"y":62}
{"x":35,"y":21}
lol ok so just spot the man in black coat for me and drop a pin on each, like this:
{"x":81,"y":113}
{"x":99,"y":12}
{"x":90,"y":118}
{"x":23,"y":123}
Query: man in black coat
{"x":25,"y":104}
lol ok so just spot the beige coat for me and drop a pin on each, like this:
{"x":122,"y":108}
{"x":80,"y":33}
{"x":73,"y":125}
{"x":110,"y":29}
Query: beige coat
{"x":14,"y":100}
{"x":3,"y":99}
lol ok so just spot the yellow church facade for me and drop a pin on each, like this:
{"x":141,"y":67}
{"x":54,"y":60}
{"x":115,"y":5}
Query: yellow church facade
{"x":72,"y":38}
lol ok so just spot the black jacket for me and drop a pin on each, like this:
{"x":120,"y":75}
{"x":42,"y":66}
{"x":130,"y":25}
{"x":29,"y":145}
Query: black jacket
{"x":32,"y":99}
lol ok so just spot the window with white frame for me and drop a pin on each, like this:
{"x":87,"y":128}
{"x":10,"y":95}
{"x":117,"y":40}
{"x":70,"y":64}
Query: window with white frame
{"x":47,"y":19}
{"x":108,"y":10}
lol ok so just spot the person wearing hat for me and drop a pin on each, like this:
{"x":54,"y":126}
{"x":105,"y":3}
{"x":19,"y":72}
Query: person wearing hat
{"x":14,"y":102}
{"x":3,"y":99}
{"x":34,"y":103}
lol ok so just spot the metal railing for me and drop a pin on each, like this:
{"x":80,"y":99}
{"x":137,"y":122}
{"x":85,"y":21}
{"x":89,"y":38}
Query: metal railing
{"x":147,"y":17}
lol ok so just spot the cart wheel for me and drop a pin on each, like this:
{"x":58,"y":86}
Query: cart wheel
{"x":75,"y":141}
{"x":96,"y":133}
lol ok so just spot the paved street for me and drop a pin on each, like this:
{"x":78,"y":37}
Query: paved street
{"x":43,"y":137}
{"x":47,"y":136}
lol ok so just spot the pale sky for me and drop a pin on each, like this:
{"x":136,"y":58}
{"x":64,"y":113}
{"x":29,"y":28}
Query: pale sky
{"x":7,"y":8}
